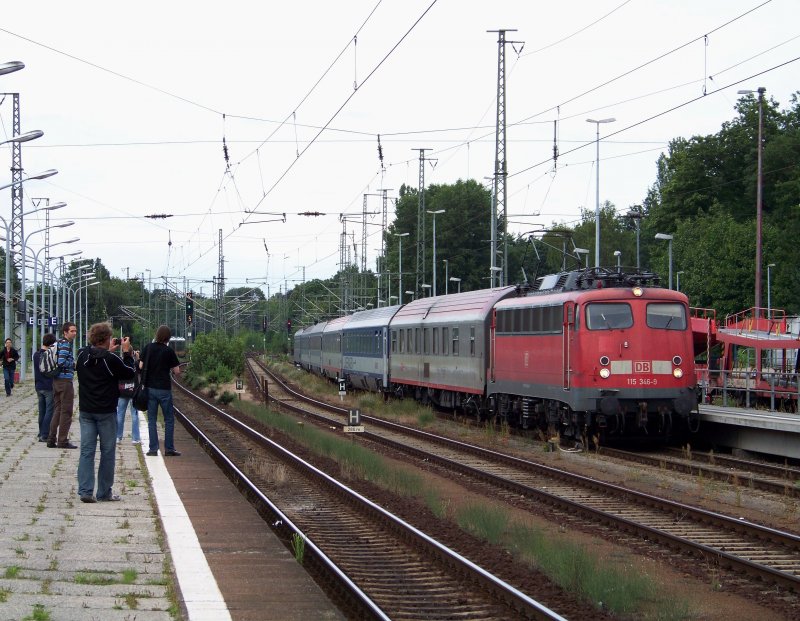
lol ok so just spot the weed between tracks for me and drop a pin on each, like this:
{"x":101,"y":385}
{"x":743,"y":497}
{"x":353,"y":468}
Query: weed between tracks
{"x":618,"y":590}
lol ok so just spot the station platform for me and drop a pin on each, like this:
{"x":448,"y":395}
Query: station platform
{"x":748,"y":429}
{"x":140,"y":558}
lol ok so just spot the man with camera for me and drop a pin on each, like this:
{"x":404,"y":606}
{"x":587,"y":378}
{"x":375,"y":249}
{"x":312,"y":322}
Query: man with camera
{"x":99,"y":374}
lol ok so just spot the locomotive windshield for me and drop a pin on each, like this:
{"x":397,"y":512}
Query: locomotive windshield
{"x":666,"y":316}
{"x":608,"y":316}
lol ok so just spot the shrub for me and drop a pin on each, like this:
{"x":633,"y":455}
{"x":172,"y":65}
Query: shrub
{"x":226,"y":397}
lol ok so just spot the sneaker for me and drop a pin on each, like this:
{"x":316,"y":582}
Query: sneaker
{"x":119,"y":440}
{"x":172,"y":453}
{"x":42,"y":439}
{"x":66,"y":445}
{"x":112,"y":498}
{"x":152,"y":453}
{"x":51,"y":444}
{"x":136,"y":442}
{"x":88,"y":499}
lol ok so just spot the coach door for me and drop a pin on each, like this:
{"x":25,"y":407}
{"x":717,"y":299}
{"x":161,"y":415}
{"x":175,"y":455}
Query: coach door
{"x":566,"y":337}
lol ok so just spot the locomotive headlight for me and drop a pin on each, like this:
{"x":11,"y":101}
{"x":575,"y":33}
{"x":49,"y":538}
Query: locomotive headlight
{"x":605,"y":373}
{"x":677,"y":360}
{"x":604,"y":361}
{"x":638,"y":292}
{"x":678,"y":373}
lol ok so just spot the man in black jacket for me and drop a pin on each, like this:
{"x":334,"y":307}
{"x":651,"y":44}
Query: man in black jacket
{"x":99,"y":374}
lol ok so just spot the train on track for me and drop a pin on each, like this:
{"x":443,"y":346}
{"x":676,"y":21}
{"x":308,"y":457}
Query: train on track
{"x":591,"y":354}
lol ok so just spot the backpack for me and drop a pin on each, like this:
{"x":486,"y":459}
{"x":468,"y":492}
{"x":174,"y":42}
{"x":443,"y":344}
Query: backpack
{"x":48,"y":362}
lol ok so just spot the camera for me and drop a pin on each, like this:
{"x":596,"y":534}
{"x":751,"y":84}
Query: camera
{"x":117,"y":341}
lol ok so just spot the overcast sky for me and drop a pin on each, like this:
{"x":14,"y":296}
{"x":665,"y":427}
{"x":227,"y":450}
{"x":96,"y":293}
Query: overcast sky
{"x":136,"y":98}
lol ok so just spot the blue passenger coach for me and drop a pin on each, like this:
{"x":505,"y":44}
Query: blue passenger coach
{"x":365,"y":348}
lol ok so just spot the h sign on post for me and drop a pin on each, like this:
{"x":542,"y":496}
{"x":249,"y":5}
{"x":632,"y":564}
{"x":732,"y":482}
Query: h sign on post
{"x":353,"y":422}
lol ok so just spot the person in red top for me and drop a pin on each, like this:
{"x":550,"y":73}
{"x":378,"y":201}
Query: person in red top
{"x":156,"y":362}
{"x":10,"y":357}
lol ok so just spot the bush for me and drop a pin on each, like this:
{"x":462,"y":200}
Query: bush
{"x":226,"y":397}
{"x":212,"y":390}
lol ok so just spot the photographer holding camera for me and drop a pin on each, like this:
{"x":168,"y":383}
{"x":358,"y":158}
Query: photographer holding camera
{"x":99,"y":374}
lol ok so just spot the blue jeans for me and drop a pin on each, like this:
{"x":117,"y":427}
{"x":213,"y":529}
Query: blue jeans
{"x":45,"y":412}
{"x":93,"y":426}
{"x":122,"y":404}
{"x":8,"y":377}
{"x":162,"y":397}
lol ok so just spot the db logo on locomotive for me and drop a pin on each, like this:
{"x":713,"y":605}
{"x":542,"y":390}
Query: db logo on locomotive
{"x":642,"y":366}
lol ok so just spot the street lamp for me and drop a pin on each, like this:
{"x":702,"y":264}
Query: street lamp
{"x":35,"y":331}
{"x":597,"y":184}
{"x":399,"y":237}
{"x":433,"y":213}
{"x":411,"y":293}
{"x":669,"y":239}
{"x":678,"y":280}
{"x":769,"y":296}
{"x":494,"y":270}
{"x":458,"y":280}
{"x":23,"y":297}
{"x":446,"y":276}
{"x":424,"y":286}
{"x":9,"y":291}
{"x":31,"y":135}
{"x":759,"y":184}
{"x":636,"y":214}
{"x":11,"y":66}
{"x":618,"y":254}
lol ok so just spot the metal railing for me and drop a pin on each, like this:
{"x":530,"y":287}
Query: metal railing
{"x":746,"y":387}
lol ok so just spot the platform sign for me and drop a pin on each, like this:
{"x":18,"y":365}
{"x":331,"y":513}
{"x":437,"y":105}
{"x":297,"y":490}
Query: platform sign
{"x":353,"y":422}
{"x":239,"y":385}
{"x":342,"y":389}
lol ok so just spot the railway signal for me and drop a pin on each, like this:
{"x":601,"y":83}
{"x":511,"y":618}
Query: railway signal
{"x":189,"y":308}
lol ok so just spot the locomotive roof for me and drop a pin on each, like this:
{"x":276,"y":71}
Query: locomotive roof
{"x":468,"y":306}
{"x":373,"y":317}
{"x":592,"y":278}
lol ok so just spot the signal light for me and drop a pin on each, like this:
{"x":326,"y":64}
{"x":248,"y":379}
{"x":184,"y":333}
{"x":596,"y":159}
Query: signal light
{"x":288,"y":325}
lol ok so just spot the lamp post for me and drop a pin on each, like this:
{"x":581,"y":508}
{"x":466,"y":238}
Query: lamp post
{"x":426,"y":289}
{"x":618,"y":254}
{"x":759,"y":185}
{"x":597,"y":188}
{"x":411,"y":293}
{"x":446,"y":281}
{"x":400,"y":237}
{"x":669,"y":240}
{"x":433,"y":213}
{"x":678,"y":280}
{"x":458,"y":280}
{"x":493,"y":271}
{"x":35,"y":331}
{"x":9,"y":291}
{"x":23,"y":297}
{"x":769,"y":292}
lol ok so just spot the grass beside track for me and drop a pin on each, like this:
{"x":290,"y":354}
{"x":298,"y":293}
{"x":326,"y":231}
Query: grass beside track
{"x":611,"y":586}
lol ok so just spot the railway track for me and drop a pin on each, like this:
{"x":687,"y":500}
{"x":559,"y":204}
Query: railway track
{"x":768,"y":554}
{"x":379,"y":565}
{"x":775,"y":479}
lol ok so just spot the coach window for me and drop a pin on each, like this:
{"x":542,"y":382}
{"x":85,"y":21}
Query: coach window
{"x":394,"y":341}
{"x":435,"y":341}
{"x":426,"y":341}
{"x":445,"y":341}
{"x":409,"y":338}
{"x":666,"y":316}
{"x":417,"y":341}
{"x":608,"y":316}
{"x":455,"y":341}
{"x":472,"y":341}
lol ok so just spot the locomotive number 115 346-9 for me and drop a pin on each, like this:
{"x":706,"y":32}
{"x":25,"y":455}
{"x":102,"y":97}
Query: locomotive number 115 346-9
{"x":642,"y":381}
